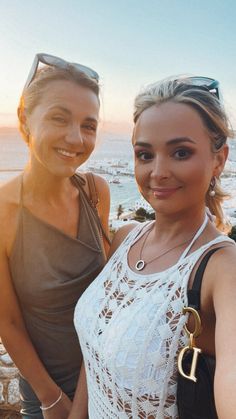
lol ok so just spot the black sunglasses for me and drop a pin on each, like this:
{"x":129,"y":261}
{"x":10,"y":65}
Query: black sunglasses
{"x":53,"y":61}
{"x":205,"y":83}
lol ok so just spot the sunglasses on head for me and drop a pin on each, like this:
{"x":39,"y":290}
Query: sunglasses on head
{"x":205,"y":83}
{"x":53,"y":61}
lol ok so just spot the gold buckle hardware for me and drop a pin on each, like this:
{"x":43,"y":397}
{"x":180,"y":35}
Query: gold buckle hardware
{"x":191,"y":346}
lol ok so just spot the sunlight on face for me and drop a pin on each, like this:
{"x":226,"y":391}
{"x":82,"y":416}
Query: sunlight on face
{"x":63,"y":127}
{"x":174,"y":163}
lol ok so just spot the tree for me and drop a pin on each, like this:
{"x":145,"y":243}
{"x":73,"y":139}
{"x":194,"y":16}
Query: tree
{"x":120,"y":211}
{"x":151,"y":216}
{"x":232,"y":234}
{"x":142,"y":215}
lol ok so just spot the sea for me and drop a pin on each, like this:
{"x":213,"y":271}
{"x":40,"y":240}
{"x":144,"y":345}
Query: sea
{"x":113,"y":155}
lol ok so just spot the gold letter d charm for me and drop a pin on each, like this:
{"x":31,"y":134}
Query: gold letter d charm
{"x":191,"y":347}
{"x":196,"y":352}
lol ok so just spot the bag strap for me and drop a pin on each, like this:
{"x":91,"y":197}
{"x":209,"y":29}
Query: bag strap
{"x":94,"y":201}
{"x":194,"y":294}
{"x":92,"y":189}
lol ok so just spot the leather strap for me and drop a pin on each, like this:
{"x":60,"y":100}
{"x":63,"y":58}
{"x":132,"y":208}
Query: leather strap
{"x":92,"y":189}
{"x":94,"y":201}
{"x":194,"y":294}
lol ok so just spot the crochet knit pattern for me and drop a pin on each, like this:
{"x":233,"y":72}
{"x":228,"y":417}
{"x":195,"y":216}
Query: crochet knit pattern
{"x":130,"y":328}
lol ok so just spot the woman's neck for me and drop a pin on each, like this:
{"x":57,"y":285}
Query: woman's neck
{"x":45,"y":186}
{"x":168,"y":227}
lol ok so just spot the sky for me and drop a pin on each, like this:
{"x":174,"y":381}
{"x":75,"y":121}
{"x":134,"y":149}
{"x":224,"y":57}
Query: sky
{"x":130,"y":43}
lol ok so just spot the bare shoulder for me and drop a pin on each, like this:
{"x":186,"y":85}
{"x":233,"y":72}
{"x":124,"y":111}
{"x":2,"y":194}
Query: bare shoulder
{"x":221,"y":269}
{"x":120,"y":236}
{"x":9,"y":205}
{"x":224,"y":259}
{"x":101,"y":185}
{"x":9,"y":194}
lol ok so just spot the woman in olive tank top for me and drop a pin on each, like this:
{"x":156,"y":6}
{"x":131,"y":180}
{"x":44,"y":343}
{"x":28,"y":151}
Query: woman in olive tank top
{"x":54,"y":225}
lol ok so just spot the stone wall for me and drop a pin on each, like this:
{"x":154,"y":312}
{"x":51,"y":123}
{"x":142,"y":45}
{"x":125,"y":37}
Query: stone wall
{"x":9,"y":387}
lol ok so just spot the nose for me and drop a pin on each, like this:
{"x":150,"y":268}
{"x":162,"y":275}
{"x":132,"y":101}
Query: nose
{"x":74,"y":136}
{"x":160,"y":168}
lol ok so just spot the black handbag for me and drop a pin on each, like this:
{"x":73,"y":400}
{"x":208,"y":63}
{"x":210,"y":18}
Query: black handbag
{"x":196,"y":370}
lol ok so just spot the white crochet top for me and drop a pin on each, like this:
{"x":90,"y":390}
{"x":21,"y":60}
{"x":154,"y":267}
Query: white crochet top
{"x":130,"y":328}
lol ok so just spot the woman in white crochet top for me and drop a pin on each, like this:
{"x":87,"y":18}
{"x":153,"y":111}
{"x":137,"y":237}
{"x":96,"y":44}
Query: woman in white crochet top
{"x":129,"y":320}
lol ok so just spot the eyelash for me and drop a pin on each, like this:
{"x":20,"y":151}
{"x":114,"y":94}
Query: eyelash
{"x":59,"y":119}
{"x":141,"y":155}
{"x":89,"y":128}
{"x":62,"y":120}
{"x":146,"y":155}
{"x":186,"y":151}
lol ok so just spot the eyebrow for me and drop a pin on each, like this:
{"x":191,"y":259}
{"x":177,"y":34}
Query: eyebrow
{"x":90,"y":119}
{"x":173,"y":141}
{"x":61,"y":108}
{"x":180,"y":140}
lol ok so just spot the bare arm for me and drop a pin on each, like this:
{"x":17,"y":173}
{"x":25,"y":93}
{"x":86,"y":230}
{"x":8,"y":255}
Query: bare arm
{"x":224,"y":298}
{"x":12,"y":330}
{"x":80,"y":403}
{"x":120,"y":236}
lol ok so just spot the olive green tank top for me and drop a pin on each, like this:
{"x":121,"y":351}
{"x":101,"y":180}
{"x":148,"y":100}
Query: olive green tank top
{"x":50,"y":270}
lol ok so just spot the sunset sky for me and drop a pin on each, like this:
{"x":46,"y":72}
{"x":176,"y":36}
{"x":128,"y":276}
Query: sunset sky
{"x":130,"y":43}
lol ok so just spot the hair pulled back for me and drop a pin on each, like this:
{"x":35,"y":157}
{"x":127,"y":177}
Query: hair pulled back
{"x":212,"y":113}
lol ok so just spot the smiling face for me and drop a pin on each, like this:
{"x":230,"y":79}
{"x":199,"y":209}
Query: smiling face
{"x":63,"y":127}
{"x":174,"y":162}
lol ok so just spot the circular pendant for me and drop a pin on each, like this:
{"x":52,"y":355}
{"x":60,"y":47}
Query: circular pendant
{"x":140,"y":265}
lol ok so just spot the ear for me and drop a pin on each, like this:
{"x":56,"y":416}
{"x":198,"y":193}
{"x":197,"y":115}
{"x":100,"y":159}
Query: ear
{"x":220,"y":159}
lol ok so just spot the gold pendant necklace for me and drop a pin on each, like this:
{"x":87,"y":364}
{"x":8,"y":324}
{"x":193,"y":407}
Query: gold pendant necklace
{"x":141,"y":263}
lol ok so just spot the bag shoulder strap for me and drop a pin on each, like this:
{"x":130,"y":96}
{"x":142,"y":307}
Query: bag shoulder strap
{"x":194,"y":294}
{"x":92,"y":189}
{"x":94,"y":201}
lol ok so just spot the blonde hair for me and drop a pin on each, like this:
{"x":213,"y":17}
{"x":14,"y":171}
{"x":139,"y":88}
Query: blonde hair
{"x":180,"y":90}
{"x":32,"y":95}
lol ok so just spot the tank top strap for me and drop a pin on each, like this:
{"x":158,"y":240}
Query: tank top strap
{"x":78,"y":181}
{"x":198,"y":233}
{"x":135,"y":234}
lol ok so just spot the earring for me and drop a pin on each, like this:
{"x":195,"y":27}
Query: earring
{"x":212,"y":191}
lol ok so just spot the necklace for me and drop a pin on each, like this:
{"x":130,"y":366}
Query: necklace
{"x":141,"y":263}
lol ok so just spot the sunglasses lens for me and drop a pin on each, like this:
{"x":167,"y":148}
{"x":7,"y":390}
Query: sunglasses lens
{"x":201,"y":81}
{"x":60,"y":63}
{"x":88,"y":71}
{"x":51,"y":60}
{"x":210,"y":84}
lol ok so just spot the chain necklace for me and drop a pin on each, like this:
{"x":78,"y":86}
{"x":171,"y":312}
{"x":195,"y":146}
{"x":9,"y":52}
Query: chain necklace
{"x":141,"y":263}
